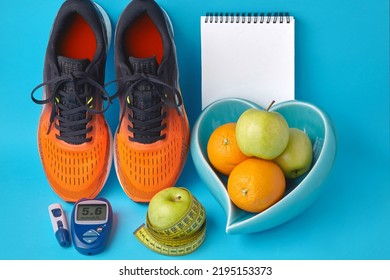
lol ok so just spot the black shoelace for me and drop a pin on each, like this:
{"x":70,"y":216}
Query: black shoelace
{"x":146,"y":129}
{"x":72,"y":99}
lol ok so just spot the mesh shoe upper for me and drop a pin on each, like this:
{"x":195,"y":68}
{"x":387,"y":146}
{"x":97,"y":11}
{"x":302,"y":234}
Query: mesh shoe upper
{"x":151,"y":143}
{"x":73,"y":136}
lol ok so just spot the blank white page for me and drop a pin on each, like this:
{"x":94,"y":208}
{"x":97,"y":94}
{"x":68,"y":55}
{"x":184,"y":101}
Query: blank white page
{"x":248,"y":60}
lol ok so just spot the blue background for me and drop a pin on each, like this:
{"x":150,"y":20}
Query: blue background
{"x":342,"y":66}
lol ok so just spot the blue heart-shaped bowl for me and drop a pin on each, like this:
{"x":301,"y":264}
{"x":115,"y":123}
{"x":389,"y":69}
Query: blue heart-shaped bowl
{"x":300,"y":193}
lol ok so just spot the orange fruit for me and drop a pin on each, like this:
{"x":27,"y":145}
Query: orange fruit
{"x":256,"y":184}
{"x":222,"y":149}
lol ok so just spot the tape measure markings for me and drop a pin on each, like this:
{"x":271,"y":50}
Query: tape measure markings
{"x":177,"y":247}
{"x":181,"y":238}
{"x":191,"y":221}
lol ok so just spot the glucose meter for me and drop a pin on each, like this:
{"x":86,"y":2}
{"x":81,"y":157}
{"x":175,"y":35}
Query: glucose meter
{"x":91,"y":225}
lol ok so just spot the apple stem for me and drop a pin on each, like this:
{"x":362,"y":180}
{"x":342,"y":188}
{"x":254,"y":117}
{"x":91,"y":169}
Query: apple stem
{"x":270,"y":105}
{"x":177,"y":198}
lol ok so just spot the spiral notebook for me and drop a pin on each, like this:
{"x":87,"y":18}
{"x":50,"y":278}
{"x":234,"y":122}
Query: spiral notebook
{"x":248,"y":56}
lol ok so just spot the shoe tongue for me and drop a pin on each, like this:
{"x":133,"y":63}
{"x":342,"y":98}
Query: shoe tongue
{"x":143,"y":65}
{"x":70,"y":101}
{"x":145,"y":96}
{"x":69,"y":65}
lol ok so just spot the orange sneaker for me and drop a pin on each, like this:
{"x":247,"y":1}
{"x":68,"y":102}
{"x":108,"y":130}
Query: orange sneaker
{"x":74,"y":139}
{"x":152,"y":138}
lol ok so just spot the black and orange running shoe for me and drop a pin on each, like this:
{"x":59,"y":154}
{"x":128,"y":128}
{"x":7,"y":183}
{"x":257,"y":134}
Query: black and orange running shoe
{"x":152,"y":138}
{"x":74,"y":140}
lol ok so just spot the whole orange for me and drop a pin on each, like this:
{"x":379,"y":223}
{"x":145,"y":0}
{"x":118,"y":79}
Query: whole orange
{"x":222,"y":148}
{"x":256,"y":184}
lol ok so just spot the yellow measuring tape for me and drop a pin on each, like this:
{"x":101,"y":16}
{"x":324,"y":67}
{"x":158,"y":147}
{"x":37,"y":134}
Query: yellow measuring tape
{"x":182,"y":238}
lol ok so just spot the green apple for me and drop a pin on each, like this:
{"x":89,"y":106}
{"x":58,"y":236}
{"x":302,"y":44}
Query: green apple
{"x":262,"y":133}
{"x":297,"y":157}
{"x":168,"y":206}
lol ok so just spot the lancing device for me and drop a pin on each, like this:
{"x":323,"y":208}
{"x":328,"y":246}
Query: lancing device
{"x":60,"y":226}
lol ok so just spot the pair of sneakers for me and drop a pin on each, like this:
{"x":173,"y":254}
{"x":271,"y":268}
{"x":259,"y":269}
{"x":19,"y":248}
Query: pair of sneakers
{"x":76,"y":146}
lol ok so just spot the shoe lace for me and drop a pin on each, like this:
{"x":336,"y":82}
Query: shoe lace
{"x":72,"y":98}
{"x":146,"y":129}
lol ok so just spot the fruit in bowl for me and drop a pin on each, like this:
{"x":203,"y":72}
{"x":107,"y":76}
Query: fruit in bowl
{"x":296,"y":158}
{"x":222,"y":149}
{"x":299,"y":194}
{"x":262,"y":133}
{"x":256,"y":184}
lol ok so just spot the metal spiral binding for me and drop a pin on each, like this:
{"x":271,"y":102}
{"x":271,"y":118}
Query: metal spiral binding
{"x":280,"y":17}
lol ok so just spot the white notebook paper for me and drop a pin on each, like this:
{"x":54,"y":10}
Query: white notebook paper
{"x":249,"y":56}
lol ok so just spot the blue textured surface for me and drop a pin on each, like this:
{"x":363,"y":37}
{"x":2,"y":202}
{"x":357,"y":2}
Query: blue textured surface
{"x":342,"y":66}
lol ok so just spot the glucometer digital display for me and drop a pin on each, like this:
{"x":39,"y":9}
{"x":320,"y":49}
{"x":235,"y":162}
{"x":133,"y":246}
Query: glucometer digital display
{"x":91,"y":213}
{"x":91,"y":225}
